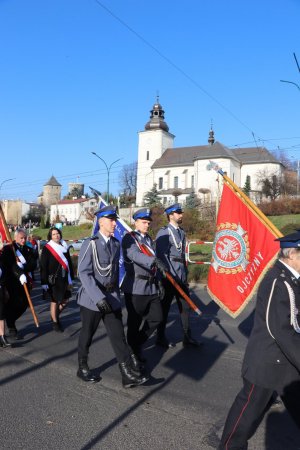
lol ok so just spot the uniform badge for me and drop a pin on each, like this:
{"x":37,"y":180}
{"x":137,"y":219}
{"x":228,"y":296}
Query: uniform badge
{"x":231,"y":250}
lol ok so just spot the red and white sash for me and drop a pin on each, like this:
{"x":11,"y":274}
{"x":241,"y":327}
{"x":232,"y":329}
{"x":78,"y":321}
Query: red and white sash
{"x":58,"y":251}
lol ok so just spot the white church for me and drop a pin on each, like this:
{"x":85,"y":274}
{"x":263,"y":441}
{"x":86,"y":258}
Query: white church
{"x":183,"y":170}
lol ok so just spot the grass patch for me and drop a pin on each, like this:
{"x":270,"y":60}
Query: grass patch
{"x":68,"y":232}
{"x":281,"y":221}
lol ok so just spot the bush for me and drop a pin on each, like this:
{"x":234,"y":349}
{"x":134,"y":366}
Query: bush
{"x":279,"y":207}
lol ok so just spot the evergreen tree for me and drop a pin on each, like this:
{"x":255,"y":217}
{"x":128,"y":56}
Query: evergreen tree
{"x":247,"y":185}
{"x":151,"y":197}
{"x":192,"y":200}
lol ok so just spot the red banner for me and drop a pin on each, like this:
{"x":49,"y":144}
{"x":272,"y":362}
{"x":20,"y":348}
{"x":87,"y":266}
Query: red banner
{"x":4,"y":238}
{"x":243,"y":250}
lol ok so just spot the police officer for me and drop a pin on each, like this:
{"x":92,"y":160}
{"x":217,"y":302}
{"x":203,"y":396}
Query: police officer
{"x":272,"y":357}
{"x":99,"y":298}
{"x":19,"y":262}
{"x":141,"y":283}
{"x":170,"y":248}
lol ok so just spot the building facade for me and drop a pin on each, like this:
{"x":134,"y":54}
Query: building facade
{"x":177,"y":172}
{"x":76,"y":211}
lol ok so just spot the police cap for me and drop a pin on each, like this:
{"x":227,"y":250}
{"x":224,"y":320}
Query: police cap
{"x":143,"y":213}
{"x":174,"y":208}
{"x":290,"y":241}
{"x":109,"y":211}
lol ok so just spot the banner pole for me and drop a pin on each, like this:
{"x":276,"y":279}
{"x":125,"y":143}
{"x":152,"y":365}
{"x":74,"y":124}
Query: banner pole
{"x":271,"y":227}
{"x":24,"y":285}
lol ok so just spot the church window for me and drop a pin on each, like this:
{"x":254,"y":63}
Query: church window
{"x":175,"y":182}
{"x":192,"y":181}
{"x":160,"y":182}
{"x":147,"y":157}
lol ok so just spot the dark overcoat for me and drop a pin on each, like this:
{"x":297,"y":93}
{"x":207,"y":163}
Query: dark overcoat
{"x":272,"y":357}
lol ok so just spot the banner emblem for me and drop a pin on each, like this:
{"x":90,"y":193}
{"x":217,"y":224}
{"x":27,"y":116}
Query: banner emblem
{"x":231,"y":249}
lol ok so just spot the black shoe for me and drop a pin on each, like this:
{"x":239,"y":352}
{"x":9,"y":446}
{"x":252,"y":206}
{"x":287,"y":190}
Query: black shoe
{"x":84,"y":372}
{"x":86,"y":375}
{"x":4,"y":342}
{"x":164,"y":343}
{"x":188,"y":341}
{"x":129,"y":377}
{"x":57,"y":327}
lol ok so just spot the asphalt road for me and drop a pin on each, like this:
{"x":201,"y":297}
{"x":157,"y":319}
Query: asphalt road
{"x":183,"y":406}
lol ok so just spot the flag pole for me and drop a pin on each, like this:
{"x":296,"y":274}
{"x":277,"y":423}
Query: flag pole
{"x":24,"y":285}
{"x":271,"y":227}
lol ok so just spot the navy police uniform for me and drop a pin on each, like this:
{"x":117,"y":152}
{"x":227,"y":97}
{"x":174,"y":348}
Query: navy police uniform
{"x":170,"y":248}
{"x":272,"y":358}
{"x":140,"y":286}
{"x":99,"y":298}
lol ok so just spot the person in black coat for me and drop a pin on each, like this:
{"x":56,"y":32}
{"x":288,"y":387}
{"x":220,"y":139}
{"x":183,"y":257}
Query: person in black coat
{"x":19,"y":263}
{"x":56,"y":274}
{"x":272,"y":358}
{"x":3,"y":341}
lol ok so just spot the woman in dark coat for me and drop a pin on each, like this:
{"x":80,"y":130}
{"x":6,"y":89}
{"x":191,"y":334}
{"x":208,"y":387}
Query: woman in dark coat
{"x":56,"y":274}
{"x":3,"y":340}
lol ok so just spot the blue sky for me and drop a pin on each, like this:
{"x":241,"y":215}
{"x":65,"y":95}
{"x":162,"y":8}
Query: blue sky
{"x":78,"y":76}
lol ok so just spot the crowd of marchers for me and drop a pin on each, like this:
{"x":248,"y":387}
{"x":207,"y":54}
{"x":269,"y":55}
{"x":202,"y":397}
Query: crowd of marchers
{"x":272,"y":358}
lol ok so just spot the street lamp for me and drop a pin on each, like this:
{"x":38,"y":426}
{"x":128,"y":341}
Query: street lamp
{"x":8,"y":179}
{"x":108,"y":172}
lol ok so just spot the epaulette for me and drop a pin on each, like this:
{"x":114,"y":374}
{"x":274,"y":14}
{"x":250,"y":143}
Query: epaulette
{"x":164,"y":228}
{"x":93,"y":238}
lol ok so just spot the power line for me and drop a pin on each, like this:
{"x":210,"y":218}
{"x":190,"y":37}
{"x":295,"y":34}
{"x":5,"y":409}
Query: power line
{"x":175,"y":66}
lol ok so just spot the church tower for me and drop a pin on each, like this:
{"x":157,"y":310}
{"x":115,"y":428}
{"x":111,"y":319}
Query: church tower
{"x":153,"y":142}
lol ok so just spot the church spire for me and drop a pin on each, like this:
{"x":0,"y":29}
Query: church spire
{"x":157,"y":117}
{"x":211,"y":135}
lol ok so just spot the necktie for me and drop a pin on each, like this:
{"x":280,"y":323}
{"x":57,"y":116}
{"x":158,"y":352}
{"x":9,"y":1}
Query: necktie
{"x":108,"y":245}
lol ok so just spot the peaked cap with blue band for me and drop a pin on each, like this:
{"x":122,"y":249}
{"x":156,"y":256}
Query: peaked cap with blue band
{"x":290,"y":241}
{"x":174,"y":208}
{"x":109,"y":211}
{"x":143,"y":213}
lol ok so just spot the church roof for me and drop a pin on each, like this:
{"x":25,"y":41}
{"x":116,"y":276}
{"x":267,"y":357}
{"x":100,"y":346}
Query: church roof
{"x":186,"y":156}
{"x":255,"y":155}
{"x":52,"y":182}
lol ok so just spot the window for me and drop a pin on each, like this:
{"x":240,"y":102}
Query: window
{"x":160,"y":182}
{"x":147,"y":157}
{"x":175,"y":182}
{"x":192,"y":181}
{"x":233,"y":177}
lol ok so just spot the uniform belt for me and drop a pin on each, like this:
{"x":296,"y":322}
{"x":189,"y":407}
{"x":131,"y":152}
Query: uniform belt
{"x":149,"y":278}
{"x":177,"y":259}
{"x":110,"y":287}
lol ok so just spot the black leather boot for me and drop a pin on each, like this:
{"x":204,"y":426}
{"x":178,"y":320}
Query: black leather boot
{"x":84,"y":372}
{"x":188,"y":341}
{"x":137,"y":366}
{"x":129,"y":377}
{"x":4,"y":342}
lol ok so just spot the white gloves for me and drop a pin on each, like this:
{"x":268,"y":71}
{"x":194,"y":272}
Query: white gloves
{"x":20,"y":265}
{"x":45,"y":287}
{"x":23,"y":279}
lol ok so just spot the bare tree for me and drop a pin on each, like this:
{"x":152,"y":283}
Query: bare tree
{"x":128,"y":179}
